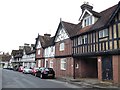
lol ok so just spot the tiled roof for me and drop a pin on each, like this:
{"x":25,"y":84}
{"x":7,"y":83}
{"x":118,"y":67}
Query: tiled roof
{"x":31,"y":52}
{"x":50,"y":42}
{"x":69,"y":27}
{"x":27,"y":49}
{"x":18,"y":54}
{"x":96,"y":14}
{"x":43,"y":40}
{"x":104,"y":17}
{"x":14,"y":52}
{"x":83,"y":30}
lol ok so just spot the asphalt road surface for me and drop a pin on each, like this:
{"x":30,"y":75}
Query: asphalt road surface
{"x":0,"y":78}
{"x":14,"y":79}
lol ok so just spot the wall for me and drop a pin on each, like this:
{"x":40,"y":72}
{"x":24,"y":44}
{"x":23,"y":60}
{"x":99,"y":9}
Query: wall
{"x":41,"y":53}
{"x":42,"y":62}
{"x":99,"y":68}
{"x":87,"y":68}
{"x":64,"y":73}
{"x":66,"y":51}
{"x":116,"y":68}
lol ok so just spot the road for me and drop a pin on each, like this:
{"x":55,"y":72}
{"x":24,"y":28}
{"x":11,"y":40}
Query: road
{"x":0,"y":78}
{"x":14,"y":79}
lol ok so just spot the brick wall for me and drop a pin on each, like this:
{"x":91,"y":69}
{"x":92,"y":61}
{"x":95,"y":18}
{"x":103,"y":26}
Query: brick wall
{"x":87,"y":68}
{"x":42,"y":62}
{"x":41,"y":53}
{"x":67,"y":50}
{"x":100,"y":68}
{"x":116,"y":68}
{"x":63,"y":73}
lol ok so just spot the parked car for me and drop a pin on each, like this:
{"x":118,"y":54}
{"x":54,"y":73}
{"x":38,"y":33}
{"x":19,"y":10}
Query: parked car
{"x":35,"y":70}
{"x":45,"y":73}
{"x":27,"y":70}
{"x":8,"y":67}
{"x":16,"y":67}
{"x":20,"y":69}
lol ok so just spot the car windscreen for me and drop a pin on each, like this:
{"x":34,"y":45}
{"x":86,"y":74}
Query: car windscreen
{"x":49,"y":69}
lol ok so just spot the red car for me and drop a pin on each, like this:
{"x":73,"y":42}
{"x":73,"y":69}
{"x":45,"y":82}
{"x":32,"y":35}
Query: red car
{"x":20,"y":69}
{"x":35,"y":70}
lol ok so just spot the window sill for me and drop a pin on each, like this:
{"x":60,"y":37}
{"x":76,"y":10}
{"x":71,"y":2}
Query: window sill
{"x":63,"y":69}
{"x":103,"y":37}
{"x":61,"y":50}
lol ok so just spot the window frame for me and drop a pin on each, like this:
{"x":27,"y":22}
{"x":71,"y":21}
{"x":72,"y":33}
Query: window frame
{"x":82,"y":40}
{"x":39,"y":51}
{"x":85,"y":39}
{"x":62,"y":46}
{"x":51,"y":63}
{"x":39,"y":63}
{"x":63,"y":64}
{"x":87,"y":21}
{"x":103,"y":33}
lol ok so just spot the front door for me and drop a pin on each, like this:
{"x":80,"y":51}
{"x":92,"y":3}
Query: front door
{"x":107,"y":70}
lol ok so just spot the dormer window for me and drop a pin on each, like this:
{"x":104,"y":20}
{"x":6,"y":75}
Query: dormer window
{"x":87,"y":21}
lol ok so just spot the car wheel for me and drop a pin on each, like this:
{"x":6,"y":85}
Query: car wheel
{"x":53,"y":77}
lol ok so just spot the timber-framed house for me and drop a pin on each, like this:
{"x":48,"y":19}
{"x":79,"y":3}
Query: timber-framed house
{"x":96,"y":45}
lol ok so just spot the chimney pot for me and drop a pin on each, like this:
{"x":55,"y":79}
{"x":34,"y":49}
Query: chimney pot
{"x":86,"y":6}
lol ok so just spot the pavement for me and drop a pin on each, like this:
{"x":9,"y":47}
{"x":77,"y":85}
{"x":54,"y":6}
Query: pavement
{"x":90,"y":83}
{"x":0,"y":78}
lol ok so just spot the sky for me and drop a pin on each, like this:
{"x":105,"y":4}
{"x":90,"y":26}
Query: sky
{"x":22,"y":20}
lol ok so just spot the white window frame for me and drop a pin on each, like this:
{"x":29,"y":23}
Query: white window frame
{"x":87,"y":21}
{"x":82,"y":40}
{"x":39,"y":63}
{"x":103,"y":33}
{"x":93,"y":37}
{"x":62,"y":46}
{"x":51,"y":63}
{"x":77,"y":65}
{"x":63,"y":64}
{"x":51,"y":49}
{"x":85,"y":39}
{"x":38,"y":52}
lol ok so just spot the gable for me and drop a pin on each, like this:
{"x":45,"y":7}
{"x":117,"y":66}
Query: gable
{"x":88,"y":18}
{"x":116,"y":17}
{"x":86,"y":12}
{"x":61,"y":35}
{"x":38,"y":44}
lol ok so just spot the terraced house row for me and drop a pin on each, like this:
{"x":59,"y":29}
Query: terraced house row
{"x":89,"y":49}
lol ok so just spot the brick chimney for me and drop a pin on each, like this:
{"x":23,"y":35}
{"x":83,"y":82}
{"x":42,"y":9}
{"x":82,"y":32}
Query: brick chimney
{"x":86,"y":6}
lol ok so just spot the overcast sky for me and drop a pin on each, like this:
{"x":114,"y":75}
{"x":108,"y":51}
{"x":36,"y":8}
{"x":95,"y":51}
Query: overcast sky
{"x":22,"y":20}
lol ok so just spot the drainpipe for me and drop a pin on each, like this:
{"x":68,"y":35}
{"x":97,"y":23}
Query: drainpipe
{"x":73,"y":68}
